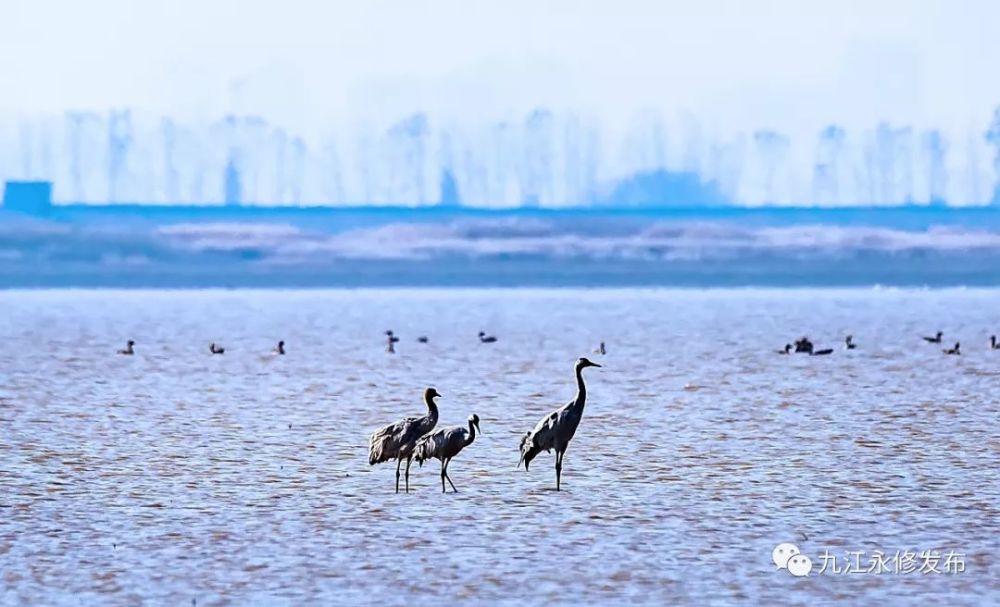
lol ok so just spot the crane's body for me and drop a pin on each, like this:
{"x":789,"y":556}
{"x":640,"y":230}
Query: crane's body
{"x":396,"y":441}
{"x":445,"y":444}
{"x":556,"y":430}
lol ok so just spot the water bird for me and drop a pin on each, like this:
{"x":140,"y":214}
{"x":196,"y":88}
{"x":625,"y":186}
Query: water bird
{"x":823,"y":352}
{"x":397,"y":441}
{"x":422,"y":339}
{"x":954,"y":351}
{"x":216,"y":349}
{"x":486,"y":339}
{"x":934,"y":340}
{"x":280,"y":348}
{"x":556,"y":430}
{"x":803,"y":346}
{"x":849,"y":342}
{"x":391,"y":341}
{"x":993,"y":343}
{"x":600,"y":349}
{"x":129,"y":350}
{"x":787,"y":349}
{"x":446,"y":444}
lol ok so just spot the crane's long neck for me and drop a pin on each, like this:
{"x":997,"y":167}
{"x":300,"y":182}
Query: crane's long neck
{"x":581,"y":389}
{"x":432,"y":408}
{"x":472,"y":434}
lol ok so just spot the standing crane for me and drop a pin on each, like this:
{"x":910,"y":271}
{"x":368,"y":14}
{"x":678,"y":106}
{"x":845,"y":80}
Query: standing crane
{"x":396,"y":441}
{"x":446,"y":444}
{"x":555,"y":430}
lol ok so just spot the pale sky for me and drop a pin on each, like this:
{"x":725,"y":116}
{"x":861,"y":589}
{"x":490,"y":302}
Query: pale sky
{"x":306,"y":64}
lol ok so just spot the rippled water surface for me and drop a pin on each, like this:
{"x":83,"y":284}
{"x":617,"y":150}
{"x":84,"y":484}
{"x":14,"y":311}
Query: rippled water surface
{"x":175,"y":477}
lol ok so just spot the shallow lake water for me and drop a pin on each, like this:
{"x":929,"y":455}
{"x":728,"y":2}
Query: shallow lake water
{"x":178,"y":477}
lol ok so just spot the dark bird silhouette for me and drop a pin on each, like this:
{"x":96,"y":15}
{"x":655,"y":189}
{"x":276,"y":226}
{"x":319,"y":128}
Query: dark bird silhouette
{"x":601,"y":349}
{"x":934,"y":340}
{"x":849,"y":342}
{"x":993,"y":343}
{"x":823,"y":352}
{"x":954,"y":351}
{"x":446,"y":444}
{"x":391,"y":341}
{"x":215,"y":349}
{"x":787,"y":349}
{"x":422,"y":339}
{"x":280,"y":348}
{"x":486,"y":339}
{"x":803,"y":346}
{"x":129,"y":350}
{"x":397,"y":441}
{"x":556,"y":430}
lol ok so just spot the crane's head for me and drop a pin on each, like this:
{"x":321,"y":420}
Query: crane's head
{"x":431,"y":393}
{"x":583,"y":363}
{"x":474,"y":420}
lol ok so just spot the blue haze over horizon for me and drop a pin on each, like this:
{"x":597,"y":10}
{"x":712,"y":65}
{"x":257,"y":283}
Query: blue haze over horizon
{"x":548,"y":104}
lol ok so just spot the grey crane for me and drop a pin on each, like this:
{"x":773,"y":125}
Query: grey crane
{"x":446,"y":444}
{"x":556,"y":429}
{"x":396,"y":441}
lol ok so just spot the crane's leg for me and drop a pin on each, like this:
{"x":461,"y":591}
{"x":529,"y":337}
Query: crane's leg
{"x":448,"y":477}
{"x":408,"y":460}
{"x":559,"y":455}
{"x":442,"y":476}
{"x":398,"y":462}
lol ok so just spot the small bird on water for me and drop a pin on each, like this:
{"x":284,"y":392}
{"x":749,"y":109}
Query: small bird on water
{"x":993,"y":343}
{"x":849,"y":342}
{"x":486,"y":339}
{"x":129,"y":350}
{"x":216,"y":349}
{"x":280,"y":348}
{"x":397,"y":441}
{"x":601,"y":349}
{"x":953,"y":351}
{"x":936,"y":339}
{"x":391,"y":341}
{"x":445,"y":444}
{"x":556,"y":430}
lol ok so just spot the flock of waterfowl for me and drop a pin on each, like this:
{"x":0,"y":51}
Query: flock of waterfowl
{"x":414,"y":437}
{"x":804,"y":346}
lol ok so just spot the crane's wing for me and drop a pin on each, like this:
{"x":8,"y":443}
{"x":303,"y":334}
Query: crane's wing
{"x":385,"y":443}
{"x":442,"y":444}
{"x":541,"y":438}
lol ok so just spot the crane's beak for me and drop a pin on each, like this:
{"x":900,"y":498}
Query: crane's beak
{"x":595,"y":365}
{"x":479,"y":430}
